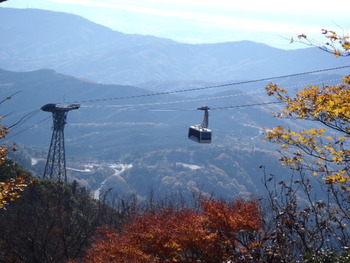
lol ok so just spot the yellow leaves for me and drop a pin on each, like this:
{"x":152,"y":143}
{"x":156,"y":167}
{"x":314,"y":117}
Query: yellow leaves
{"x":322,"y":153}
{"x":312,"y":131}
{"x":337,"y":43}
{"x":338,"y":159}
{"x":346,"y":45}
{"x":10,"y":189}
{"x":286,"y":136}
{"x":337,"y":53}
{"x":289,"y":137}
{"x":328,"y":104}
{"x":337,"y":178}
{"x":274,"y":90}
{"x":314,"y":102}
{"x":346,"y":80}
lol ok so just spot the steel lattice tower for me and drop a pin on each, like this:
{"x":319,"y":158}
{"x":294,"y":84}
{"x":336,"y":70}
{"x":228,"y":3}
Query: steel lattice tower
{"x":56,"y":158}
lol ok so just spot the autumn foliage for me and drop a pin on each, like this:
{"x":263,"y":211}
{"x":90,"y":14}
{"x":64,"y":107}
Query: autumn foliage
{"x":218,"y":231}
{"x":335,"y":43}
{"x":311,"y":209}
{"x":10,"y":188}
{"x":329,"y":106}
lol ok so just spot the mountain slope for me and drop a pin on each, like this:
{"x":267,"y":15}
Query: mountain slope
{"x":145,"y":134}
{"x":35,"y":39}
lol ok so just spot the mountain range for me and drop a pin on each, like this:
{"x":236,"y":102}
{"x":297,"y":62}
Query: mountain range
{"x":134,"y":112}
{"x":72,"y":45}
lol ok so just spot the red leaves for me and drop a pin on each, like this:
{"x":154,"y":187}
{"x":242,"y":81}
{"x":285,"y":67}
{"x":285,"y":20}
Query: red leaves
{"x":238,"y":216}
{"x":209,"y":234}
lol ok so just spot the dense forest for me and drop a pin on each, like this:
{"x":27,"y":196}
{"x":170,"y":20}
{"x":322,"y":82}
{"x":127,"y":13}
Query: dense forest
{"x":50,"y":221}
{"x":300,"y":216}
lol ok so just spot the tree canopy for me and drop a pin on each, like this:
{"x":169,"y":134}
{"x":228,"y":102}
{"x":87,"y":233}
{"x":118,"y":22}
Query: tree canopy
{"x":217,"y":232}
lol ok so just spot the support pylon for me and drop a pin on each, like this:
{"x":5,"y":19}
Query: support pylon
{"x":56,"y":159}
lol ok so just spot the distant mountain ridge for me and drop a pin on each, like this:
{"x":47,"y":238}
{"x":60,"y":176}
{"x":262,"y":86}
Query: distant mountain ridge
{"x":34,"y":39}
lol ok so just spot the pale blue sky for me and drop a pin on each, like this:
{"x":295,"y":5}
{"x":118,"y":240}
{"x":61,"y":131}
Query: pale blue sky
{"x":202,"y":21}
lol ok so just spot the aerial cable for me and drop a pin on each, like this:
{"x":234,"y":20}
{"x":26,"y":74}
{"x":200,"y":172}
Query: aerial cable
{"x":26,"y":129}
{"x":9,"y":97}
{"x":218,"y":108}
{"x":246,"y":105}
{"x":211,"y":87}
{"x":167,"y":102}
{"x":194,"y":109}
{"x":25,"y":117}
{"x":136,"y":106}
{"x":6,"y":115}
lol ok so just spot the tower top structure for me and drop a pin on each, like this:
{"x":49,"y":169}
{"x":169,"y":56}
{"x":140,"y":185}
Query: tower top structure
{"x":51,"y":107}
{"x":56,"y":158}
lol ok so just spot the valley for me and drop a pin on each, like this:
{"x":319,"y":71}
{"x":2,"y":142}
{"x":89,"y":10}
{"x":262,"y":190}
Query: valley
{"x":138,"y":95}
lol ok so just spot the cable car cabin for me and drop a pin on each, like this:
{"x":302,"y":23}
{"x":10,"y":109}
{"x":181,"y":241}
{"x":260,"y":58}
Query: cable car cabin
{"x":199,"y":134}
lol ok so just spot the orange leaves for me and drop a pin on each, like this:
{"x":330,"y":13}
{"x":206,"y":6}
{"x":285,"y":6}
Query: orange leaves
{"x":209,"y":234}
{"x":113,"y":247}
{"x":3,"y":148}
{"x":10,"y":189}
{"x":230,"y":218}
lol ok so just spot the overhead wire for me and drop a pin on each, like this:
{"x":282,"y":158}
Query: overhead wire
{"x":140,"y":105}
{"x":246,"y":105}
{"x":25,"y":117}
{"x":9,"y":97}
{"x":212,"y":87}
{"x":23,"y":130}
{"x":215,"y":108}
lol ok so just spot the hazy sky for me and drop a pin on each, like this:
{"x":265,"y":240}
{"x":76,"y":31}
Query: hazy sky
{"x":208,"y":21}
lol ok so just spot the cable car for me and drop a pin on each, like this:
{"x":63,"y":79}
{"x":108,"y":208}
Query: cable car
{"x":200,"y":133}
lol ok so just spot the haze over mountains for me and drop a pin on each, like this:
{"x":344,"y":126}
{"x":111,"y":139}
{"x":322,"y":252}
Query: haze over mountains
{"x":72,"y":45}
{"x":54,"y":57}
